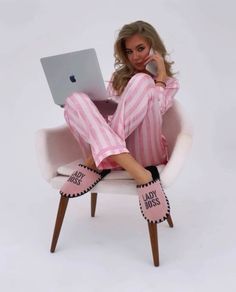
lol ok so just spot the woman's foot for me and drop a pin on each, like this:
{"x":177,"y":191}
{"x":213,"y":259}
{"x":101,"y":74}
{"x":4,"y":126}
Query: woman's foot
{"x":144,"y":177}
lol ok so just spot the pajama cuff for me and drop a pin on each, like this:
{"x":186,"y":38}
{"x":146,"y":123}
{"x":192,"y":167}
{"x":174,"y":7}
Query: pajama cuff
{"x":100,"y":158}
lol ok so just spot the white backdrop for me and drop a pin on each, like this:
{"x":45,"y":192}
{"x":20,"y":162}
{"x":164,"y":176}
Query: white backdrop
{"x":200,"y":35}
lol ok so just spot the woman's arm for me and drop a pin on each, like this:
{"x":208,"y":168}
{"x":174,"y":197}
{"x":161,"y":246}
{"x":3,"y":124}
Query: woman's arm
{"x":168,"y":86}
{"x":167,"y":93}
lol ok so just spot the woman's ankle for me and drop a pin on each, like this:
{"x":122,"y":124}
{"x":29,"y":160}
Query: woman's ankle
{"x":89,"y":162}
{"x":146,"y":177}
{"x":136,"y":170}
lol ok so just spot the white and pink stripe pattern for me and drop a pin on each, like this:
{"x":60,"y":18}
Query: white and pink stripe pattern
{"x":135,"y":126}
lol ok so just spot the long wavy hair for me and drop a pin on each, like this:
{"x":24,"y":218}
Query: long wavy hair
{"x":123,"y":68}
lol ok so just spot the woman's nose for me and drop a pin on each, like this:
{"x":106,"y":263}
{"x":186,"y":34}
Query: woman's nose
{"x":135,"y":55}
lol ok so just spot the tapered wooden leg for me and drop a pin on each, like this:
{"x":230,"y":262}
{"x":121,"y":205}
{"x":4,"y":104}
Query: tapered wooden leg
{"x":170,"y":222}
{"x":154,"y":242}
{"x":93,"y":203}
{"x":60,"y":216}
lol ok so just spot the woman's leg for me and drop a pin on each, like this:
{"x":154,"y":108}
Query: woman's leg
{"x":88,"y":125}
{"x":138,"y":120}
{"x":132,"y":113}
{"x":81,"y":116}
{"x":127,"y":162}
{"x":71,"y":120}
{"x":134,"y":104}
{"x":147,"y":143}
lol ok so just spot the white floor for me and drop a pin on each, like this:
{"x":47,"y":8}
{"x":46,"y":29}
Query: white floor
{"x":111,"y":252}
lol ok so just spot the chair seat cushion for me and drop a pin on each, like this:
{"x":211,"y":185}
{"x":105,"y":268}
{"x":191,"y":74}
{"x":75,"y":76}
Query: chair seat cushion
{"x":117,"y":181}
{"x":111,"y":186}
{"x":67,"y":170}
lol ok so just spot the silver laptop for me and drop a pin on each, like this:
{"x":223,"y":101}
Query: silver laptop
{"x":76,"y":72}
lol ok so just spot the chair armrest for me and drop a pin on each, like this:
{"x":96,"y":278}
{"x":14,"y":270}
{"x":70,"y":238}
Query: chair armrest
{"x":55,"y":147}
{"x":177,"y":159}
{"x":181,"y":146}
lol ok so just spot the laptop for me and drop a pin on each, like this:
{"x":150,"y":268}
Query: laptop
{"x":77,"y":72}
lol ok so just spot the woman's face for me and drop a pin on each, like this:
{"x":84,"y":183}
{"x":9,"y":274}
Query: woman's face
{"x":137,"y":50}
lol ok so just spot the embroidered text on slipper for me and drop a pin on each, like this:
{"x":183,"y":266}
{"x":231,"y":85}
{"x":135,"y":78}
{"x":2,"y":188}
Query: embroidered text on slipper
{"x":76,"y":177}
{"x":150,"y":199}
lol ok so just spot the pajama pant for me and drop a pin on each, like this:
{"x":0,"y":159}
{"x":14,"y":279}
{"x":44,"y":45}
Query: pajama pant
{"x":135,"y":127}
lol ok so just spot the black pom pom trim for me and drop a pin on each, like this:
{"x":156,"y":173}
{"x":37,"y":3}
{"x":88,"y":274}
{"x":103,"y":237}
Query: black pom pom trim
{"x":147,"y":184}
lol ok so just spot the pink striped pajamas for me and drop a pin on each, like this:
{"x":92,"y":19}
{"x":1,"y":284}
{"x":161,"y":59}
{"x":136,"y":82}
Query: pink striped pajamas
{"x":135,"y":127}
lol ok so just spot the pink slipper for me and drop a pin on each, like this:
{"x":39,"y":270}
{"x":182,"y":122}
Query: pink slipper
{"x":82,"y":180}
{"x":153,"y":202}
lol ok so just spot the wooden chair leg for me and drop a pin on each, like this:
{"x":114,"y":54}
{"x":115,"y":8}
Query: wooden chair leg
{"x":59,"y":220}
{"x":170,"y":222}
{"x":154,"y":242}
{"x":93,"y":203}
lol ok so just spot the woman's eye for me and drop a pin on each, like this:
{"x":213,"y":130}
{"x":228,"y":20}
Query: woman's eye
{"x":140,"y":49}
{"x":128,"y":52}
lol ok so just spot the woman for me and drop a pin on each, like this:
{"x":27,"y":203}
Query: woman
{"x":131,"y":138}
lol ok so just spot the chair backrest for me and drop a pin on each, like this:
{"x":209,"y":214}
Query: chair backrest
{"x":55,"y":147}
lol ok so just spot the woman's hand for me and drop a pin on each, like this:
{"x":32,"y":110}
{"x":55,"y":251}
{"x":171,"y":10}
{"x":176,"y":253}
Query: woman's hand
{"x":161,"y":73}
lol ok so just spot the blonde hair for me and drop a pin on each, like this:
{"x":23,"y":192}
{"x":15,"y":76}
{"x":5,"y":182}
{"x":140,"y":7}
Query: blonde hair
{"x":123,"y":69}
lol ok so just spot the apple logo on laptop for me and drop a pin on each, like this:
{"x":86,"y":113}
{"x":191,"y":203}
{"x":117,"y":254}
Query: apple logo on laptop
{"x":72,"y":78}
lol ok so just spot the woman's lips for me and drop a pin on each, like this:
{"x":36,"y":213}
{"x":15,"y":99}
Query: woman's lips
{"x":139,"y":64}
{"x":139,"y":67}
